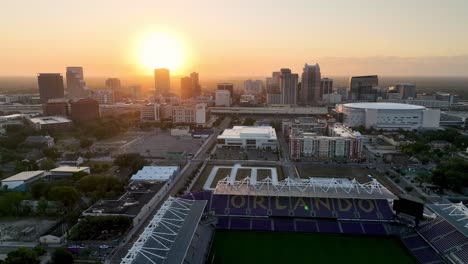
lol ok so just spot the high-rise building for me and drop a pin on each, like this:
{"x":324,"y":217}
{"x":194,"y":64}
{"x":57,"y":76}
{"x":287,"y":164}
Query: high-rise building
{"x":288,"y":87}
{"x":363,"y":88}
{"x":196,"y":88}
{"x":326,"y":87}
{"x":76,"y":86}
{"x":84,"y":110}
{"x":162,"y":81}
{"x":113,"y":84}
{"x":226,"y":86}
{"x":55,"y":107}
{"x":272,"y":83}
{"x":50,"y":86}
{"x":103,"y":96}
{"x":310,"y":84}
{"x":406,"y":90}
{"x":253,"y":86}
{"x":223,"y":98}
{"x":136,"y":92}
{"x":186,"y":88}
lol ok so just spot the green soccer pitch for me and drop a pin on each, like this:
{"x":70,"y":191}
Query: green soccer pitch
{"x":272,"y":247}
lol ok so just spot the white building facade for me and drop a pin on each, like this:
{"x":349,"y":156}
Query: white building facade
{"x":223,"y":98}
{"x":389,"y":116}
{"x":262,"y":137}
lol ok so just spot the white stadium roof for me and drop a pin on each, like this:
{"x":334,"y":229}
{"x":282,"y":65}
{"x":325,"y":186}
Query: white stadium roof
{"x":312,"y":187}
{"x":385,"y":106}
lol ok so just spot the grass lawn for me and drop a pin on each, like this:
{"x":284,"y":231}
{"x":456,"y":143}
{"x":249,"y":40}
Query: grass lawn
{"x":220,"y":174}
{"x":263,"y":174}
{"x":272,"y":247}
{"x":242,"y":173}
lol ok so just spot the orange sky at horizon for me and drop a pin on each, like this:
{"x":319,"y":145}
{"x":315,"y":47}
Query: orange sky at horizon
{"x":237,"y":38}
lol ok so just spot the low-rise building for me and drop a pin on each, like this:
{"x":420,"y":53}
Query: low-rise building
{"x":46,"y":140}
{"x":189,"y":114}
{"x":67,"y":171}
{"x":136,"y":203}
{"x":53,"y":123}
{"x":343,"y":143}
{"x":22,"y":180}
{"x":84,"y":110}
{"x":56,"y":107}
{"x":262,"y":137}
{"x":306,"y":124}
{"x":223,"y":98}
{"x":440,"y":144}
{"x":156,"y":173}
{"x":150,"y":112}
{"x":103,"y":96}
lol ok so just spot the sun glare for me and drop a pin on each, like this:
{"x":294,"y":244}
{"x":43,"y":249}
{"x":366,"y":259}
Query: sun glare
{"x":161,"y":50}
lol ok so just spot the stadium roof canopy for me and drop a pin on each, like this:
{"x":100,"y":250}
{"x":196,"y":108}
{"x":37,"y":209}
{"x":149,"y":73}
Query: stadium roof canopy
{"x":167,"y":237}
{"x":455,"y":213}
{"x":330,"y":188}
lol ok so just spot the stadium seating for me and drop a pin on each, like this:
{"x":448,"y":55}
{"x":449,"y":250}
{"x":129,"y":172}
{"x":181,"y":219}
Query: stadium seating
{"x":427,"y":255}
{"x":295,"y":206}
{"x":309,"y":226}
{"x":261,"y":224}
{"x":283,"y":225}
{"x":449,"y":241}
{"x":328,"y":227}
{"x":414,"y":241}
{"x":374,"y":229}
{"x":462,"y":254}
{"x":437,"y":229}
{"x":240,"y":223}
{"x":352,"y":228}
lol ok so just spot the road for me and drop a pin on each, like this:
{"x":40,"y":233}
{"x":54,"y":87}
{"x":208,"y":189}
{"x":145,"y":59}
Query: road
{"x":190,"y":168}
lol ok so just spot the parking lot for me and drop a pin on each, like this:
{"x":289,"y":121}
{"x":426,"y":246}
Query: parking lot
{"x":160,"y":144}
{"x":244,"y":154}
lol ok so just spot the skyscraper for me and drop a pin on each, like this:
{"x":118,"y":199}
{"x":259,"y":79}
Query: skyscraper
{"x":406,"y":90}
{"x":226,"y":86}
{"x":50,"y":86}
{"x":288,"y":87}
{"x":76,"y":86}
{"x":162,"y":81}
{"x":113,"y":84}
{"x":363,"y":88}
{"x":253,"y":86}
{"x":326,"y":87}
{"x":196,"y":88}
{"x":310,"y":84}
{"x":186,"y":88}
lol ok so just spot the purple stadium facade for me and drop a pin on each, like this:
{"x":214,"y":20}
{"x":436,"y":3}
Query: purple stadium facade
{"x":429,"y":243}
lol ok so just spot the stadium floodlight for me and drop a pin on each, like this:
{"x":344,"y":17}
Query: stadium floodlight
{"x":312,"y":187}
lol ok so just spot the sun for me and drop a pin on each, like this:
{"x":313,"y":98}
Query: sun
{"x":161,"y":50}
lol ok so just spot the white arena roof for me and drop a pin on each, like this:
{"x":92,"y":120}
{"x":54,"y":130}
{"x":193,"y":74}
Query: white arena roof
{"x":385,"y":106}
{"x":155,"y":173}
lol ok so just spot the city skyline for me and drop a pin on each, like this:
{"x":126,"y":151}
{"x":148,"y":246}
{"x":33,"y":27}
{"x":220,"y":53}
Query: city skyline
{"x":392,"y":41}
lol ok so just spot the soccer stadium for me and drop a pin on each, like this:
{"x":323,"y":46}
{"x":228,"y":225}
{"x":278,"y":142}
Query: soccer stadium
{"x":315,"y":220}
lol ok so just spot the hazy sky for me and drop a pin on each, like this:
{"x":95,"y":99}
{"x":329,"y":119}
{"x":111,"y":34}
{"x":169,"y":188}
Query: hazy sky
{"x":229,"y":38}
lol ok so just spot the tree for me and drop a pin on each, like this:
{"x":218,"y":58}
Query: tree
{"x":51,"y":153}
{"x":39,"y":189}
{"x":86,"y":143}
{"x":47,"y":164}
{"x":22,"y":256}
{"x":62,"y":256}
{"x":422,"y":177}
{"x":248,"y":122}
{"x":67,"y":195}
{"x":42,"y":206}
